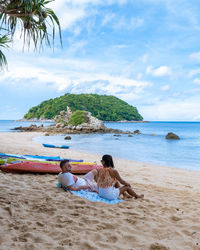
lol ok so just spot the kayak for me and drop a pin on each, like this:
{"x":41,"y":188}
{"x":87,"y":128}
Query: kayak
{"x":47,"y":158}
{"x":47,"y":168}
{"x":50,"y":158}
{"x":55,"y":146}
{"x":11,"y":155}
{"x":39,"y":157}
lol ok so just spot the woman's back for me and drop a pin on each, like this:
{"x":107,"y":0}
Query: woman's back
{"x":104,"y":178}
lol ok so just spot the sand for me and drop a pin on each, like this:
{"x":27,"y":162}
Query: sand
{"x":35,"y":214}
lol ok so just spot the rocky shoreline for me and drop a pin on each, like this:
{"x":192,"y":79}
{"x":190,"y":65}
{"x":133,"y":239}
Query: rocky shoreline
{"x":52,"y":129}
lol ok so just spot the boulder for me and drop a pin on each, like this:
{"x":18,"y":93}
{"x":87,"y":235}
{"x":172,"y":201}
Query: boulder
{"x":68,"y":137}
{"x":172,"y":136}
{"x":137,"y":131}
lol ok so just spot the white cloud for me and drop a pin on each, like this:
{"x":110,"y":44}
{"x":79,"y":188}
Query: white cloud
{"x":194,"y":72}
{"x":121,"y":46}
{"x":197,"y":81}
{"x":76,"y":46}
{"x":158,"y":72}
{"x":171,"y":110}
{"x":149,"y":70}
{"x":107,"y":18}
{"x":136,"y":22}
{"x":128,"y":24}
{"x":195,"y":56}
{"x":73,"y":76}
{"x":196,"y":118}
{"x":144,"y":58}
{"x":139,"y":76}
{"x":162,"y":71}
{"x":165,"y":88}
{"x":70,"y":12}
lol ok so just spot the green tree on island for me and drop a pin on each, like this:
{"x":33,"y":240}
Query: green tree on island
{"x":103,"y":107}
{"x":31,"y":19}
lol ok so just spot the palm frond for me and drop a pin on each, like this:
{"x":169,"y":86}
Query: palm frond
{"x":3,"y":61}
{"x":32,"y":17}
{"x":4,"y":40}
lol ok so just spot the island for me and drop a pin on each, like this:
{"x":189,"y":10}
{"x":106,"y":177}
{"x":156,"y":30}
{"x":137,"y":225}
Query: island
{"x":103,"y":107}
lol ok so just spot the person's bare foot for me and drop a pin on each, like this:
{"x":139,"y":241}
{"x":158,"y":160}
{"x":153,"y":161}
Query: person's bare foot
{"x":141,"y":196}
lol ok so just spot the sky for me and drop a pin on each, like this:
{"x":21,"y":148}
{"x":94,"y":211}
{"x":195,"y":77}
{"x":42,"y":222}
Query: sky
{"x":145,"y":52}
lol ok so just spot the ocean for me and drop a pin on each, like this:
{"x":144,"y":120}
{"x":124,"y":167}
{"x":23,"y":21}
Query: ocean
{"x":148,"y":147}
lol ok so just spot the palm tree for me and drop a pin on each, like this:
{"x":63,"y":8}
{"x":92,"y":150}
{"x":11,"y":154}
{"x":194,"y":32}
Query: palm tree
{"x":30,"y":18}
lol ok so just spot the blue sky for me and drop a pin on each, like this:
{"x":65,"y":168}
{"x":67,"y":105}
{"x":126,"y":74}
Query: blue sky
{"x":146,"y":52}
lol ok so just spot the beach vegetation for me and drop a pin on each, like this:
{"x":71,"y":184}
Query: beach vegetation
{"x":103,"y":107}
{"x":78,"y":117}
{"x":32,"y":19}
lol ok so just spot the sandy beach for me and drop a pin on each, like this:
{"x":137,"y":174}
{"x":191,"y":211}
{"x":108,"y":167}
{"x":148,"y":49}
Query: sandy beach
{"x":35,"y":214}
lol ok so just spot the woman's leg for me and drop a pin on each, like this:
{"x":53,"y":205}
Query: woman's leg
{"x":130,"y":191}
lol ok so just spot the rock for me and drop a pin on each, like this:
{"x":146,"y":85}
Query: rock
{"x":46,"y":134}
{"x":130,"y":136}
{"x":68,"y":137}
{"x":152,"y":134}
{"x":32,"y":126}
{"x":172,"y":136}
{"x":60,"y":125}
{"x":137,"y":131}
{"x":63,"y":113}
{"x":79,"y":127}
{"x":64,"y":116}
{"x":117,"y":135}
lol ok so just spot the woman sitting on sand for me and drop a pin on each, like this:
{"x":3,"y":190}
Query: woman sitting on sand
{"x":107,"y":178}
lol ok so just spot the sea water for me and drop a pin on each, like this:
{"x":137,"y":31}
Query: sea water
{"x":9,"y":125}
{"x":150,"y":146}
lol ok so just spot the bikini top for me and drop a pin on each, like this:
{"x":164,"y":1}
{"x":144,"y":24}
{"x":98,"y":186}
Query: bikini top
{"x":104,"y":179}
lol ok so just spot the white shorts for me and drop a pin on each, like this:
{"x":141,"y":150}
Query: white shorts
{"x":110,"y":193}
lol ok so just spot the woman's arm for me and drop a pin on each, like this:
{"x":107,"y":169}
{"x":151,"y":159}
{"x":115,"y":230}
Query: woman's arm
{"x":116,"y":175}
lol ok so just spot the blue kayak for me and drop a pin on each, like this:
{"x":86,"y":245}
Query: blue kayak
{"x":47,"y":158}
{"x":50,"y":158}
{"x":38,"y":157}
{"x":12,"y":156}
{"x":55,"y":146}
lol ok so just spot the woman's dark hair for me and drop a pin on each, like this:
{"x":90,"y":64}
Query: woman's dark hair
{"x":108,"y":161}
{"x":62,"y":163}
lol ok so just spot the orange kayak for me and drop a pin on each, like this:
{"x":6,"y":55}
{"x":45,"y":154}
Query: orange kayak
{"x":37,"y":167}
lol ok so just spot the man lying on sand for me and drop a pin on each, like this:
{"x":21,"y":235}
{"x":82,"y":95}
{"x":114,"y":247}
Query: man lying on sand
{"x":74,"y":183}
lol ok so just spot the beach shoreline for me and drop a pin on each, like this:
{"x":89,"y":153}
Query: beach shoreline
{"x":168,"y":217}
